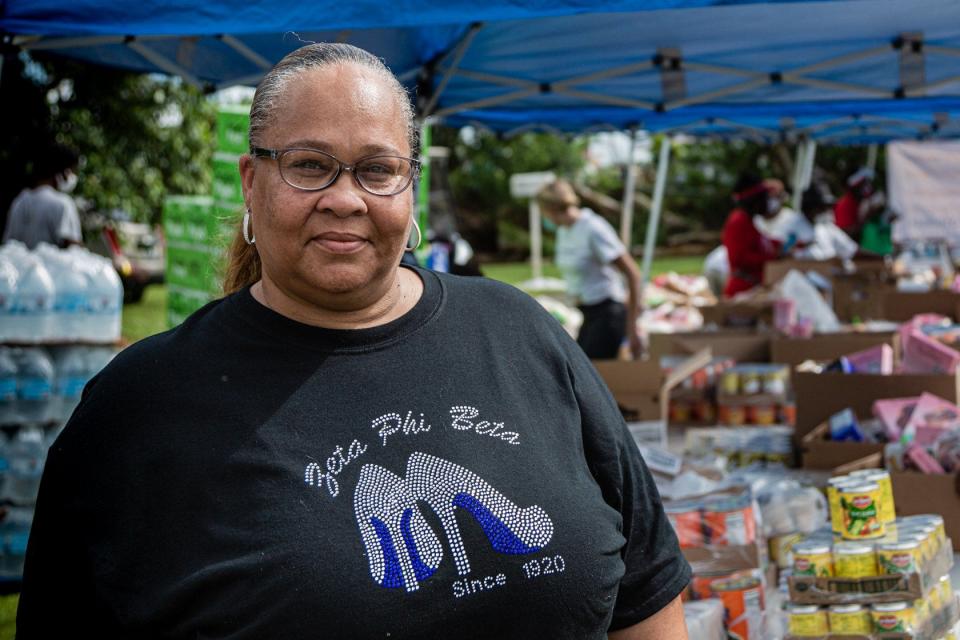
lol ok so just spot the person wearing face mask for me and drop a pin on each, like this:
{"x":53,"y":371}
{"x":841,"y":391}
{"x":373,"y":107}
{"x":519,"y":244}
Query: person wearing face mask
{"x":747,"y":248}
{"x":853,"y":209}
{"x":781,"y":222}
{"x":45,"y":212}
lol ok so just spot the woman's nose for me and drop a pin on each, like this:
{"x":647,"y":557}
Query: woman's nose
{"x":344,"y":197}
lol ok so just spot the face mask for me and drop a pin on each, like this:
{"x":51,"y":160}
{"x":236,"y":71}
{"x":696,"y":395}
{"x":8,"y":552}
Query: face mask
{"x":773,"y":206}
{"x":67,"y":182}
{"x":548,"y":224}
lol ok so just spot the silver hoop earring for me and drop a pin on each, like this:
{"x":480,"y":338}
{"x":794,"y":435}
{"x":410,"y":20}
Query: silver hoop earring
{"x":247,"y":235}
{"x":419,"y":236}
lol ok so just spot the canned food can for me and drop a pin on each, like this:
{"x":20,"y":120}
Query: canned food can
{"x":833,"y":500}
{"x":860,"y":506}
{"x":730,"y":520}
{"x":687,"y":522}
{"x":700,"y":584}
{"x":730,"y":382}
{"x":775,"y":381}
{"x":807,"y":621}
{"x":887,"y":507}
{"x":850,"y":619}
{"x":853,"y":560}
{"x":680,"y":412}
{"x":733,"y":415}
{"x":762,"y":414}
{"x":781,"y":549}
{"x":742,"y":599}
{"x":893,"y":616}
{"x":946,"y":590}
{"x":751,"y":382}
{"x":899,"y":557}
{"x":812,"y":559}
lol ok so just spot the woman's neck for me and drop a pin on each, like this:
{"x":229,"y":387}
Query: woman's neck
{"x":397,"y":299}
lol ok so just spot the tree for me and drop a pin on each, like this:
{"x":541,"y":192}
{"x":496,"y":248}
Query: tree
{"x":140,"y":136}
{"x":480,"y":168}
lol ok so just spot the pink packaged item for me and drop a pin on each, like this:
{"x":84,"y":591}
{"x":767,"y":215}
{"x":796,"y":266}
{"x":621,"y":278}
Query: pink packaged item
{"x":923,"y":460}
{"x":925,"y":319}
{"x":878,"y":359}
{"x":894,"y":414}
{"x":922,"y":354}
{"x":931,"y":417}
{"x":784,"y":315}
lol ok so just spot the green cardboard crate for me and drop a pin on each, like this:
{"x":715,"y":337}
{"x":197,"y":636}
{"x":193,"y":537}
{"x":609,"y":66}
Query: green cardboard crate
{"x":227,"y":186}
{"x":191,"y":268}
{"x":233,"y":123}
{"x":180,"y":211}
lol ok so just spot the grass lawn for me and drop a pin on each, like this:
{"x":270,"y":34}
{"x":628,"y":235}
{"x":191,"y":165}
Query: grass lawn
{"x":149,"y":316}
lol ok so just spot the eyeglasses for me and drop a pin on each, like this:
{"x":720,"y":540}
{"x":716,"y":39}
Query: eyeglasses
{"x":313,"y":170}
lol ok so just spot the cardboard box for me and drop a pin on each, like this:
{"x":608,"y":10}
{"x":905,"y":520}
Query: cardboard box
{"x":817,"y":451}
{"x":916,"y":493}
{"x":825,"y":347}
{"x":642,"y":389}
{"x":901,"y":306}
{"x":775,"y":270}
{"x":820,"y":395}
{"x":741,"y":345}
{"x":739,"y":314}
{"x":859,"y":296}
{"x":233,"y":122}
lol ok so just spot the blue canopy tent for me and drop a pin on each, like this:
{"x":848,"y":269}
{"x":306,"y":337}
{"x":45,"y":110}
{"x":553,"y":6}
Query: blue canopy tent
{"x":834,"y":71}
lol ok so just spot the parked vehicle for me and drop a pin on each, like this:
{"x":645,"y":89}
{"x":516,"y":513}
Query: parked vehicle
{"x":137,"y":250}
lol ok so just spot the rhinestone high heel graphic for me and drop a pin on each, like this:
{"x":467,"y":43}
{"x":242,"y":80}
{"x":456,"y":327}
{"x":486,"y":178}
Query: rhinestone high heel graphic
{"x":401,"y":547}
{"x":446,"y":486}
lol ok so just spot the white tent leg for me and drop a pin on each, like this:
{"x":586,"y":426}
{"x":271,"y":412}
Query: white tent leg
{"x":629,"y":187}
{"x":872,"y":157}
{"x":663,"y":164}
{"x":808,"y":162}
{"x":798,"y":165}
{"x":536,"y":240}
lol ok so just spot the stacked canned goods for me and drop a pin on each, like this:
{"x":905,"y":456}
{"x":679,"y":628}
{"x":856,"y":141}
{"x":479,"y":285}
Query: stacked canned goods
{"x":718,"y":520}
{"x":755,"y":394}
{"x":907,"y":546}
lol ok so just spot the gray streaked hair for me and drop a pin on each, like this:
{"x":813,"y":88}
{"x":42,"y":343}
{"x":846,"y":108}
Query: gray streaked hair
{"x":318,"y":56}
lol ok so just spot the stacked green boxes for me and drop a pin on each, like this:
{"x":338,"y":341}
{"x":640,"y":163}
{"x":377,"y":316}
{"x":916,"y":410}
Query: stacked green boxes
{"x":199,"y":229}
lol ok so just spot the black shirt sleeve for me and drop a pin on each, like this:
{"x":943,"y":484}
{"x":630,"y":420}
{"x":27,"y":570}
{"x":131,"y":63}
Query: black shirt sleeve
{"x":655,"y":569}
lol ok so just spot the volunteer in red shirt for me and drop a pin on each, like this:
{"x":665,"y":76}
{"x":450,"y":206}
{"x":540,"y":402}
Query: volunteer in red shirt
{"x":748,"y":249}
{"x":849,"y":210}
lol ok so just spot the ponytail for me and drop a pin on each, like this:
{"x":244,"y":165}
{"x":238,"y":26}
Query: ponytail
{"x":243,"y":264}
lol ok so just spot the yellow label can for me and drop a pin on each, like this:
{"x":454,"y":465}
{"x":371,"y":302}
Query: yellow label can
{"x":899,"y":557}
{"x":852,"y":560}
{"x":812,"y":559}
{"x":806,"y":621}
{"x":888,"y":511}
{"x":946,"y":590}
{"x":860,"y":506}
{"x":850,"y":619}
{"x":833,"y":500}
{"x":893,"y":616}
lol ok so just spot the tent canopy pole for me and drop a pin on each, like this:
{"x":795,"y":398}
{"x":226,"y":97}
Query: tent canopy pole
{"x":663,"y":164}
{"x":629,"y":188}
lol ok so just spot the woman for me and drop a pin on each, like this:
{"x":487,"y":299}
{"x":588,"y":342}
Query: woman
{"x":343,"y":447}
{"x":748,"y":249}
{"x":592,"y":260}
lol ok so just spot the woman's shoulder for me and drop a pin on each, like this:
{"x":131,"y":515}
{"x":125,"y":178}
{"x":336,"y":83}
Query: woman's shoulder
{"x":483,"y":291}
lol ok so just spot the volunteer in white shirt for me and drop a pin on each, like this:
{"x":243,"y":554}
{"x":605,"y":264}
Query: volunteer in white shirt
{"x":46,"y":212}
{"x":829,"y":240}
{"x":601,"y":275}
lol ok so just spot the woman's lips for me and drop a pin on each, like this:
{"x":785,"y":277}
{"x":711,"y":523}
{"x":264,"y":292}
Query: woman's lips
{"x":340,"y":242}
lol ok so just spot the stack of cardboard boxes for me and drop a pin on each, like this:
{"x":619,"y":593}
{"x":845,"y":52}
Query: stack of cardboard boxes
{"x":199,"y":229}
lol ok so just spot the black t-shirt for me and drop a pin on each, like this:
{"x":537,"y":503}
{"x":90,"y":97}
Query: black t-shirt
{"x":459,"y":472}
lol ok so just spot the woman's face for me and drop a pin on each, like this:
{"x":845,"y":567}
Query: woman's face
{"x":340,"y":240}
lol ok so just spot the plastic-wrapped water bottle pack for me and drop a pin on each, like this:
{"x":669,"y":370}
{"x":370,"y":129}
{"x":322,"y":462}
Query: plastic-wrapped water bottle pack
{"x":52,"y":295}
